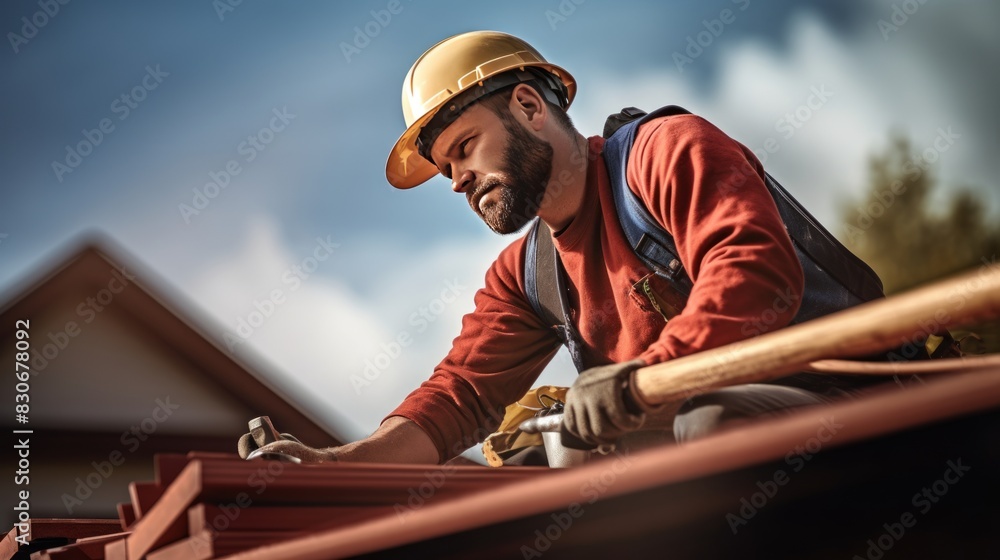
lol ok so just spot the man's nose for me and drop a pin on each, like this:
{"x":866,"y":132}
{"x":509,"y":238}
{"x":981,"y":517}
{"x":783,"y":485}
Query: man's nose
{"x":462,"y":181}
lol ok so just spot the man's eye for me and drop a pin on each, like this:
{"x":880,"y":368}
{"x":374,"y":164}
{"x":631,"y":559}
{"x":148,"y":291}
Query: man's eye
{"x":462,"y":146}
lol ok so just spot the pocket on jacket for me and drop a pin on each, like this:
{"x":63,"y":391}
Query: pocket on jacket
{"x":655,"y":294}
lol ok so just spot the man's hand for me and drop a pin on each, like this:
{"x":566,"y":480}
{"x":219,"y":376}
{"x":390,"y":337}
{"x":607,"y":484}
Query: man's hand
{"x":397,"y":440}
{"x":301,"y":451}
{"x":261,"y":441}
{"x":596,"y":411}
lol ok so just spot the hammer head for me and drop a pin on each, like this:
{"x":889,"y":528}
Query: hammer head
{"x":263,"y":431}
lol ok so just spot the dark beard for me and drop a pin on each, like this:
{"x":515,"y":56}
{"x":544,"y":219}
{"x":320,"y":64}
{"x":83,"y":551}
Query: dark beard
{"x":528,"y":162}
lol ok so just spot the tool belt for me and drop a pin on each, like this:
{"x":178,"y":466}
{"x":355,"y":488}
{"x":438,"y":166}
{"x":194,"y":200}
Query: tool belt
{"x":509,"y":439}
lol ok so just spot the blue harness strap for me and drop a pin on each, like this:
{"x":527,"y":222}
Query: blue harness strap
{"x":834,"y":277}
{"x":648,"y":239}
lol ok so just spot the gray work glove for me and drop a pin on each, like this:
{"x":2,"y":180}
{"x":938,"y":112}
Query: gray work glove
{"x":248,"y":443}
{"x":262,"y":432}
{"x":598,"y":411}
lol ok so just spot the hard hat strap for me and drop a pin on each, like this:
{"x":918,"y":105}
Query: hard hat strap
{"x":543,"y":81}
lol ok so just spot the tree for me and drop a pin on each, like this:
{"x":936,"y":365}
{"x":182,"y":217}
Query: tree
{"x":911,"y":234}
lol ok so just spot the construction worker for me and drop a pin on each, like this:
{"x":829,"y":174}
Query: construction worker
{"x":486,"y":111}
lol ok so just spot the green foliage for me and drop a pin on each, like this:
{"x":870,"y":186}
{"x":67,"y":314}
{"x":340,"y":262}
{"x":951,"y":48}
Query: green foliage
{"x":911,"y":235}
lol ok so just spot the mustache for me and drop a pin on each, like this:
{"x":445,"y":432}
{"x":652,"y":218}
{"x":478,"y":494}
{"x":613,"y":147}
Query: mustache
{"x":480,"y":187}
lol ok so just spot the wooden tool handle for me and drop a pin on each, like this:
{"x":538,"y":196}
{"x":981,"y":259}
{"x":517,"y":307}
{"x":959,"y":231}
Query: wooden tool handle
{"x":859,"y":331}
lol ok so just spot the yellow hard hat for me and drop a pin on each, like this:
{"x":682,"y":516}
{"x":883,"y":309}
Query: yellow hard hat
{"x":453,"y":74}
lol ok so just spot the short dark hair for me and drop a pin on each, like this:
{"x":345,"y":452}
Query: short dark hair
{"x":499,"y":103}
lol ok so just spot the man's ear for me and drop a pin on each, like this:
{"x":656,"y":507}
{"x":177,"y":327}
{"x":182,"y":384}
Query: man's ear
{"x":528,"y":106}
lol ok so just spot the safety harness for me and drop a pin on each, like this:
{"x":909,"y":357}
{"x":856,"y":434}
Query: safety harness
{"x":835,"y":278}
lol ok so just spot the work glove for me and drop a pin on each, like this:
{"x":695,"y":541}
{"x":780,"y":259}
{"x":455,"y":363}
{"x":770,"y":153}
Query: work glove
{"x":261,"y":434}
{"x":598,"y":411}
{"x":248,"y":443}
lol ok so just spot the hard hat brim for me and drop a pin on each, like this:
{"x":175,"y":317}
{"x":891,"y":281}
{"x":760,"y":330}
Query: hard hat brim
{"x":405,"y":168}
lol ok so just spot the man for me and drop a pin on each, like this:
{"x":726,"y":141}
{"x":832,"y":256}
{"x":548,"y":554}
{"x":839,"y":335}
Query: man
{"x":485,"y":110}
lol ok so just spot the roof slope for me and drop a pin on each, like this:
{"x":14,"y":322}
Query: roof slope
{"x":97,"y":269}
{"x":905,"y":469}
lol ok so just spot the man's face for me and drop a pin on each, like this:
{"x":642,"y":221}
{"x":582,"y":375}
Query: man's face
{"x":500,"y":166}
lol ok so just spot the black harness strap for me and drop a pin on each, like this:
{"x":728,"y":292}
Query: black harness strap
{"x":540,"y":277}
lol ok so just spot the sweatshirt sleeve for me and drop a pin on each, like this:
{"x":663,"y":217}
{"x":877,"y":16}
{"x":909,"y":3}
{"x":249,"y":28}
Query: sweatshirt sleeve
{"x":707,"y":190}
{"x":500,"y":351}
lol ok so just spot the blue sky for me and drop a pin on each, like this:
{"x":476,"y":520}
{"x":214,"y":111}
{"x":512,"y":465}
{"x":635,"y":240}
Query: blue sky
{"x":221,"y":77}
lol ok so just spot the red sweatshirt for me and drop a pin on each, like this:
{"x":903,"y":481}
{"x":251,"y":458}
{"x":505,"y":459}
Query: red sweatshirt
{"x":704,"y":188}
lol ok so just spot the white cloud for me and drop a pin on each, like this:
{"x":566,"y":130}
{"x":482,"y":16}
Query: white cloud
{"x":875,"y":88}
{"x":309,"y":335}
{"x":324,"y":332}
